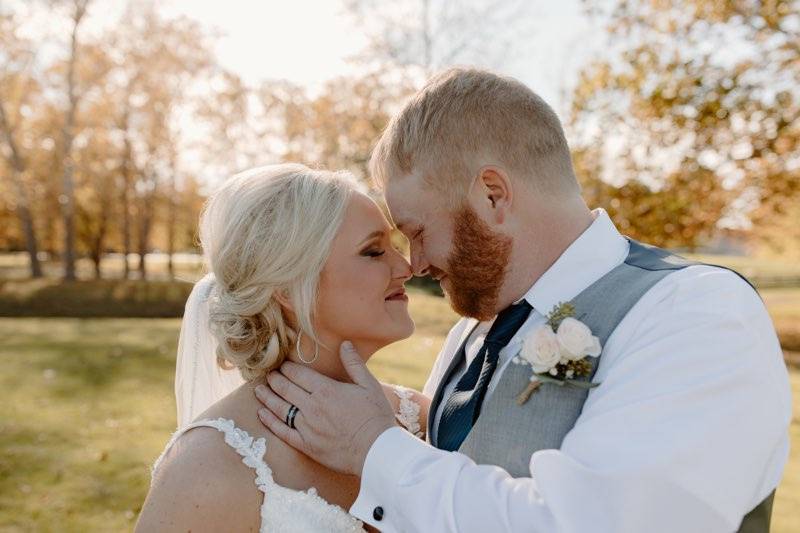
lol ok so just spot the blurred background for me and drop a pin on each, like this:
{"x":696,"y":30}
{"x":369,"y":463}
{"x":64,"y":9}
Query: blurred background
{"x":118,"y":117}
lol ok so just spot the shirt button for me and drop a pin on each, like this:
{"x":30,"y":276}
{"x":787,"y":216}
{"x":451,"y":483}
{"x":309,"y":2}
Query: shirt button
{"x":377,"y":513}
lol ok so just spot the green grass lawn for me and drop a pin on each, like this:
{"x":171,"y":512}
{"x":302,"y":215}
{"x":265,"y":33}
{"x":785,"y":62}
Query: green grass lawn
{"x":88,"y":405}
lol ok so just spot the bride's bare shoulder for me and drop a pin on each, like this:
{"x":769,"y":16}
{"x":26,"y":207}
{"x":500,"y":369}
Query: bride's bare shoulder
{"x":201,"y":485}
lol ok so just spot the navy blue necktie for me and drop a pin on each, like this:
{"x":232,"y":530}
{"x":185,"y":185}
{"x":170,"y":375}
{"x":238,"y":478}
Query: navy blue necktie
{"x":463,"y":406}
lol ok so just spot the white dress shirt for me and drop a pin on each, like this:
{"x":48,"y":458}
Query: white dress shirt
{"x":688,"y":430}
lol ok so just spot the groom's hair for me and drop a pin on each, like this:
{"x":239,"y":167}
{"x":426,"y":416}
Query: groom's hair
{"x":464,"y":118}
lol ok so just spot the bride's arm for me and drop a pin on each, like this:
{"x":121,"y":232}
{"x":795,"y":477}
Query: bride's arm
{"x":403,"y":400}
{"x":196,"y":488}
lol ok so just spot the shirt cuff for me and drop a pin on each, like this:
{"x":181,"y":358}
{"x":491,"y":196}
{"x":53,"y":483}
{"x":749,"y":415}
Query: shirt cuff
{"x":388,"y":458}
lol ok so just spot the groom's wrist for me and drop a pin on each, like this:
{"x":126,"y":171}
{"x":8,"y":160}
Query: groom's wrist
{"x":370,"y":437}
{"x":389,"y":454}
{"x":387,"y":460}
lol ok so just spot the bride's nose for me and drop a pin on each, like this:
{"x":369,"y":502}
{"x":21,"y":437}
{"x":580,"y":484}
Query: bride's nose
{"x":401,"y":269}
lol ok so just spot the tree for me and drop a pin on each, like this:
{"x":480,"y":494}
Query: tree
{"x":433,"y":34}
{"x":94,"y":193}
{"x":97,"y":134}
{"x":78,"y":8}
{"x":336,"y":127}
{"x":240,"y":132}
{"x":95,"y":155}
{"x":17,"y":87}
{"x":700,"y":133}
{"x":126,"y":173}
{"x":157,"y":60}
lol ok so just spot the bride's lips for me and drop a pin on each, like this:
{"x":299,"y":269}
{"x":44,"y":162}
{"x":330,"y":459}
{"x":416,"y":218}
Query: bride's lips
{"x":398,"y":295}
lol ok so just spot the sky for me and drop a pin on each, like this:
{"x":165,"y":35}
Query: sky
{"x":306,"y":41}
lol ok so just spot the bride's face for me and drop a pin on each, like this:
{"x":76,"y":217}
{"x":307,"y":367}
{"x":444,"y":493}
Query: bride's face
{"x":361,"y":289}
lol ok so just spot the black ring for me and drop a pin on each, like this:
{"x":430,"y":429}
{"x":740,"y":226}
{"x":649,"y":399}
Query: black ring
{"x":290,"y":416}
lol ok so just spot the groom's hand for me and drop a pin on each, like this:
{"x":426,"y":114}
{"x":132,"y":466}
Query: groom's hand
{"x":337,"y":422}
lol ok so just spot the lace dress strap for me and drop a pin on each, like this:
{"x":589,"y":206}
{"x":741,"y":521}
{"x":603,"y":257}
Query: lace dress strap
{"x":408,"y":411}
{"x":252,"y":450}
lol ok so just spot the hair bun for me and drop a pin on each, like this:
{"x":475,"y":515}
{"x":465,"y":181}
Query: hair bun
{"x":271,"y":350}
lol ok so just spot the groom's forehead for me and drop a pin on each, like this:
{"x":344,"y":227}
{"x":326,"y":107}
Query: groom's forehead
{"x":404,"y":214}
{"x":404,"y":197}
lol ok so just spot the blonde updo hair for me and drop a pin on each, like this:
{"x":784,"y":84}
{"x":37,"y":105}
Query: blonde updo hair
{"x":266,"y":231}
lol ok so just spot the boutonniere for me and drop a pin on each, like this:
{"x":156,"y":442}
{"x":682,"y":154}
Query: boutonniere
{"x":557,"y":352}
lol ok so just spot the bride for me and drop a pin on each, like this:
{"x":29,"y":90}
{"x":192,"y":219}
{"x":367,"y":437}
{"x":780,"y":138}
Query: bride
{"x":300,"y":261}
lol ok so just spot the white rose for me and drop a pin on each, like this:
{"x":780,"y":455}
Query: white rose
{"x":577,"y":340}
{"x":541,"y":349}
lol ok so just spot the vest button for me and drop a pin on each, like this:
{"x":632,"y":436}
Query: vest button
{"x":377,"y":513}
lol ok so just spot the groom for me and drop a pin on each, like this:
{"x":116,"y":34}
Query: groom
{"x":686,"y":428}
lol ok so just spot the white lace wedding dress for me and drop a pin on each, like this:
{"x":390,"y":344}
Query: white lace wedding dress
{"x":287,"y":510}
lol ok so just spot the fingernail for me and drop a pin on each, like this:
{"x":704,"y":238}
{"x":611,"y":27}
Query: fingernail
{"x":262,"y":414}
{"x":260,"y":390}
{"x":347,"y":345}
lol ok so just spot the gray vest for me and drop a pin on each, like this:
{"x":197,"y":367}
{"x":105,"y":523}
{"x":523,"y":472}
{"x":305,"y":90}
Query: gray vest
{"x":507,"y":434}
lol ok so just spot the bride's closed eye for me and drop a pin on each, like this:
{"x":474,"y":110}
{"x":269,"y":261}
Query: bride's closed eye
{"x":373,"y":252}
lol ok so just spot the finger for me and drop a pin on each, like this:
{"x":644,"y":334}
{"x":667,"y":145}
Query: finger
{"x":305,"y":377}
{"x":354,"y":365}
{"x":273,"y":402}
{"x":288,"y":435}
{"x":287,"y":390}
{"x":300,"y":424}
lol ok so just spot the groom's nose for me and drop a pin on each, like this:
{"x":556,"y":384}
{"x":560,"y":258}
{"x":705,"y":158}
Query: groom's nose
{"x":419,"y":265}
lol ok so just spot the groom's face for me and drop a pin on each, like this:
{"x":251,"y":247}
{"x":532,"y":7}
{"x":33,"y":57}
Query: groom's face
{"x":456,"y":248}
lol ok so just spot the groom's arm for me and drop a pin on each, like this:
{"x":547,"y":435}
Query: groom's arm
{"x":687,"y":433}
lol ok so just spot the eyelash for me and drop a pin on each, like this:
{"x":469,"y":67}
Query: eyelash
{"x":374,"y":253}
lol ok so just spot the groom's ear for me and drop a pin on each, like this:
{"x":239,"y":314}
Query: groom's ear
{"x":493,"y":191}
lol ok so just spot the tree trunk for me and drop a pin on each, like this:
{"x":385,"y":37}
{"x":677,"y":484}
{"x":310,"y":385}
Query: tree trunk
{"x":23,"y":202}
{"x":142,"y":252}
{"x":99,"y":243}
{"x":28,"y":228}
{"x":68,"y":212}
{"x":145,"y":220}
{"x":171,"y":241}
{"x":126,"y":230}
{"x":171,"y":217}
{"x":125,"y":205}
{"x":96,"y":262}
{"x":68,"y":193}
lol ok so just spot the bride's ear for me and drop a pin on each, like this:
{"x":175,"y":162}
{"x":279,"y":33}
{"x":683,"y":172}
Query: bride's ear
{"x":282,"y":297}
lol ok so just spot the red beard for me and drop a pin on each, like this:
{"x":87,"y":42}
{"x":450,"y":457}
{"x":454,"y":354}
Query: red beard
{"x":476,"y":267}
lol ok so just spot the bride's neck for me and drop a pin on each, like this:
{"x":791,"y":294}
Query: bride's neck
{"x":327,"y":362}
